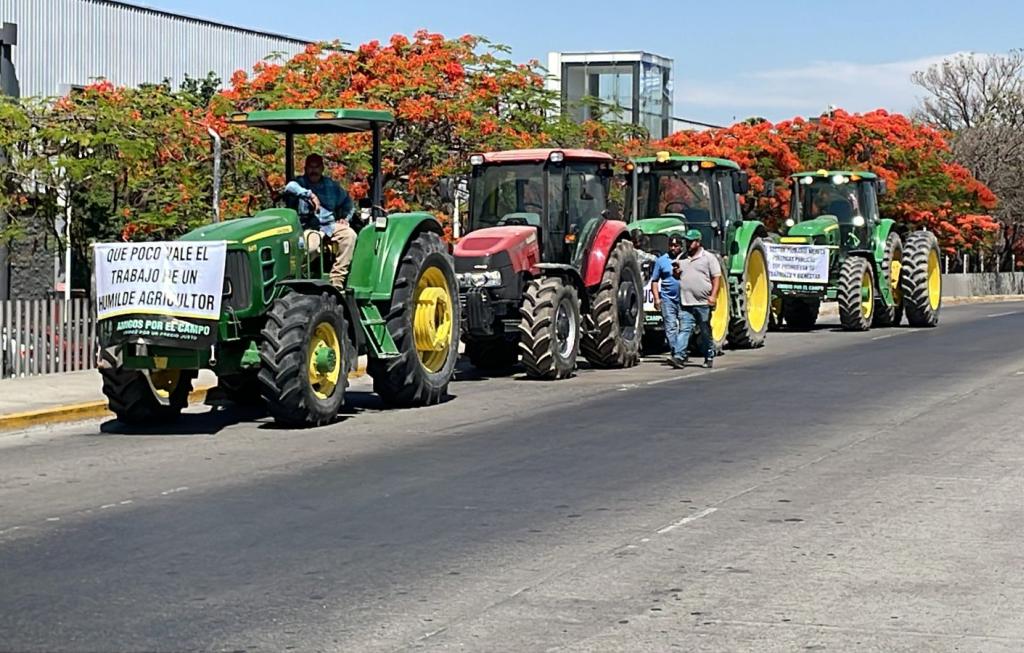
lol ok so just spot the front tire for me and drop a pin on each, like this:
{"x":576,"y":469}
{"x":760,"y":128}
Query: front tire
{"x":749,"y":328}
{"x":616,"y":320}
{"x":856,"y":294}
{"x":921,"y":279}
{"x":139,"y":397}
{"x":549,"y":329}
{"x":424,"y":323}
{"x":888,"y":315}
{"x":304,"y":366}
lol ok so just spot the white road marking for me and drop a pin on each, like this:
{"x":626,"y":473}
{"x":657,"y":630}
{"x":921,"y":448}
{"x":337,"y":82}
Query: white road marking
{"x":108,"y":505}
{"x":659,"y":381}
{"x":53,"y":519}
{"x":173,"y":491}
{"x":888,"y":335}
{"x":1003,"y":314}
{"x":686,"y":520}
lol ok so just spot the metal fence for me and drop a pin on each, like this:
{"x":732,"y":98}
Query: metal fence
{"x":46,"y":336}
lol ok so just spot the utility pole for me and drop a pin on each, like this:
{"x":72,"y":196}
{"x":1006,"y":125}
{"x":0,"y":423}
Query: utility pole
{"x":8,"y":87}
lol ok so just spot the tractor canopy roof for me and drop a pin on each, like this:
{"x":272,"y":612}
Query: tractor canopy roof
{"x":540,"y":155}
{"x":854,"y":175}
{"x":675,"y":160}
{"x":314,"y":121}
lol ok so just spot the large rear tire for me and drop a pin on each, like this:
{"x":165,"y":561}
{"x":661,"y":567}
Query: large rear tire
{"x":800,"y":314}
{"x":549,"y":331}
{"x":492,"y":355}
{"x":144,"y":397}
{"x":888,"y":315}
{"x":616,"y":318}
{"x":304,"y":366}
{"x":424,"y":323}
{"x":748,"y":329}
{"x":921,"y":279}
{"x":856,"y":294}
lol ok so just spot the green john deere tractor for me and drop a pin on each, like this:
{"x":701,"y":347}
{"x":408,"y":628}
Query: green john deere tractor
{"x":282,"y":332}
{"x":669,"y":194}
{"x":836,"y":247}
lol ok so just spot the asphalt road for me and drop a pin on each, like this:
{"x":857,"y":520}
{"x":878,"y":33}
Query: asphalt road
{"x":833,"y":491}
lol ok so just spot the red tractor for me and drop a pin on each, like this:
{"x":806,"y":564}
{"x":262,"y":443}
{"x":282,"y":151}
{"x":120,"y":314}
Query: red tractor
{"x":543,"y":272}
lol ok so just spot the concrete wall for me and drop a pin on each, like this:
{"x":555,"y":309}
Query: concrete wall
{"x":983,"y":283}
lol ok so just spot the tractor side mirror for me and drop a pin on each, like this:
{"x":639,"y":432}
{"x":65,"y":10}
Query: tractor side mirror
{"x":584,"y":194}
{"x":444,"y":189}
{"x":883,"y":187}
{"x":769,"y":188}
{"x":741,"y":183}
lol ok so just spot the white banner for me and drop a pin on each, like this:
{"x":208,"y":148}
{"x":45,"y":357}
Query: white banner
{"x":798,"y":263}
{"x":176,"y":279}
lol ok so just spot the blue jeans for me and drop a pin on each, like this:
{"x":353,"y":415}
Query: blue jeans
{"x":700,"y":317}
{"x":671,"y":316}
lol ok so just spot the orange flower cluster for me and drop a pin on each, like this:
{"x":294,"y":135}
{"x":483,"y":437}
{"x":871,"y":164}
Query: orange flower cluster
{"x":927,"y":188}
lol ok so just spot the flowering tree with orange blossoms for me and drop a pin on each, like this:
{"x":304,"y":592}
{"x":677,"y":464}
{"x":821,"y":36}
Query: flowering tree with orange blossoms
{"x":927,"y":188}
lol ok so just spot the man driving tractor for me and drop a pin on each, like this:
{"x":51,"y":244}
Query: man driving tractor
{"x":332,"y":209}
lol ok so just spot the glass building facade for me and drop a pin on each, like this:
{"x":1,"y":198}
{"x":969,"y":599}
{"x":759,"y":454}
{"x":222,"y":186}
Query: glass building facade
{"x":631,"y":87}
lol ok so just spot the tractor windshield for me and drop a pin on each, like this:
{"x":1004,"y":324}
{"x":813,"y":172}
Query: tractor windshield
{"x":508,"y":194}
{"x":824,"y":197}
{"x":673,"y":191}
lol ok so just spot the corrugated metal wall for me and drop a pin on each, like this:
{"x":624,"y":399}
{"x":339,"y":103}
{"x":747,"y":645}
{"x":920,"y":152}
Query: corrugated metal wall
{"x":65,"y":43}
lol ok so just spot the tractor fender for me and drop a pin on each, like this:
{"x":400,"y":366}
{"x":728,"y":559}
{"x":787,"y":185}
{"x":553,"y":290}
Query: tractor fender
{"x":608,"y":235}
{"x":379,"y":252}
{"x":569,"y":275}
{"x":740,"y":245}
{"x":881,"y":234}
{"x":345,"y":297}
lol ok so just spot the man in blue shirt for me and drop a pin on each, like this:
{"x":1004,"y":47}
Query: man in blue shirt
{"x":333,"y":209}
{"x":665,"y":287}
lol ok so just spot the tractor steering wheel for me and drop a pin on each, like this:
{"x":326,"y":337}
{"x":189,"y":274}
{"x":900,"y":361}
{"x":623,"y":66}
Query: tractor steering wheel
{"x":540,"y":209}
{"x":668,"y":207}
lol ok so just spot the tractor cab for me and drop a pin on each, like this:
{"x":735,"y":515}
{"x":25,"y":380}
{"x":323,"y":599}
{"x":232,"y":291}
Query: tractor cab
{"x":834,"y":208}
{"x":668,"y":194}
{"x":563,"y":194}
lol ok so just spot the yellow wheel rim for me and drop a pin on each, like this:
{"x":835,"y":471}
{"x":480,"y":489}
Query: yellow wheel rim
{"x":758,"y":295}
{"x":720,"y":316}
{"x":867,"y":295}
{"x":895,"y":272}
{"x":433,"y":319}
{"x":324,"y":346}
{"x":934,"y":281}
{"x":164,"y":382}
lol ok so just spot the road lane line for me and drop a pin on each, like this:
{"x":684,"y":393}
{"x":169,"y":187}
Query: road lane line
{"x":1003,"y":314}
{"x":686,"y":520}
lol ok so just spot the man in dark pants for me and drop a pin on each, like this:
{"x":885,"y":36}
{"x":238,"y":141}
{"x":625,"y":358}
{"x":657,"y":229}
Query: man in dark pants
{"x":700,"y":276}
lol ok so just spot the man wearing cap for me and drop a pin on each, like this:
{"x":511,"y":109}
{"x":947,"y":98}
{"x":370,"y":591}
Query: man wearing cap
{"x":665,"y":288}
{"x":333,"y":208}
{"x":700,"y":276}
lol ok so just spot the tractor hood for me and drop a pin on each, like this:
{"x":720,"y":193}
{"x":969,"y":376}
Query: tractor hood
{"x":495,"y":247}
{"x":265,"y":224}
{"x":823,"y":230}
{"x":662,"y":225}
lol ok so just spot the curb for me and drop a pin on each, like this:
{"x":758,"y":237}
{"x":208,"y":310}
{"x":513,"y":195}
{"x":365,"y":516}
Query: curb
{"x":92,"y":410}
{"x":831,"y":309}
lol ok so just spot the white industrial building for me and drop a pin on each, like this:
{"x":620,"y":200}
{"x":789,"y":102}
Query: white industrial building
{"x":63,"y":44}
{"x":50,"y":47}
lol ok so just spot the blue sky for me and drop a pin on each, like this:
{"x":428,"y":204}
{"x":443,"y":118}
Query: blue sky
{"x":732,"y":59}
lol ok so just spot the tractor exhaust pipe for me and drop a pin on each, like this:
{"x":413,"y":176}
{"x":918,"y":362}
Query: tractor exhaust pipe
{"x":216,"y":172}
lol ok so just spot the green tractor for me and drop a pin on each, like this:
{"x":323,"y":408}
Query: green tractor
{"x":836,"y":247}
{"x":269,"y":323}
{"x":668,"y":194}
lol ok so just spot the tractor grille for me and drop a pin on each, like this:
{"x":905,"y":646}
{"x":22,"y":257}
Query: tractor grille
{"x":237,"y":281}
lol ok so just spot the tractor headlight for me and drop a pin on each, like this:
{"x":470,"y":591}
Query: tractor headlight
{"x":858,"y":221}
{"x":489,"y":279}
{"x":790,"y":222}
